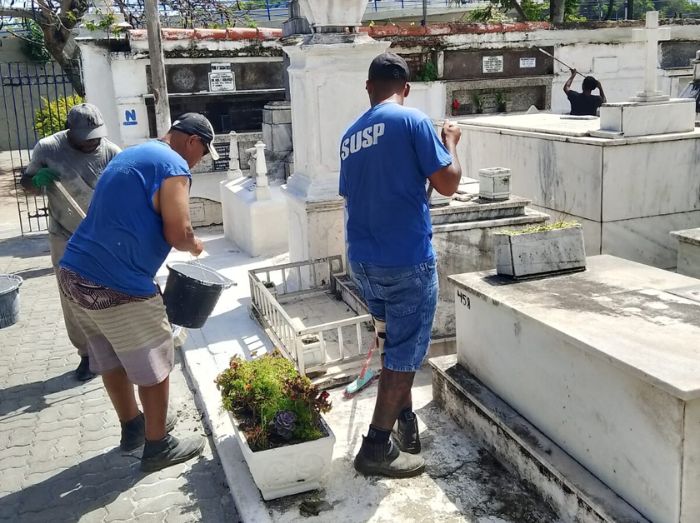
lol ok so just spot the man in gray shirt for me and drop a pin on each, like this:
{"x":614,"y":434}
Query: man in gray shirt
{"x":76,"y":158}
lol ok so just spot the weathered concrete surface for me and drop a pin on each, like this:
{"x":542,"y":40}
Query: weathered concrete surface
{"x":463,"y":482}
{"x":59,"y":438}
{"x":463,"y":234}
{"x":604,"y":362}
{"x":688,"y":252}
{"x":564,"y":483}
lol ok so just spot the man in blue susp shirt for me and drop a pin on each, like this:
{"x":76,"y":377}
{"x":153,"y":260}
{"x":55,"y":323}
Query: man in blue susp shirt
{"x":140,"y":211}
{"x":387,"y":157}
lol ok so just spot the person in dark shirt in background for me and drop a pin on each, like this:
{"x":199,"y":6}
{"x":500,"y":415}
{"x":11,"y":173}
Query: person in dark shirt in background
{"x":585,"y":103}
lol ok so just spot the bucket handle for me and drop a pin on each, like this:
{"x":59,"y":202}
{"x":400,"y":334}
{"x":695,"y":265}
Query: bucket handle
{"x":227,"y":282}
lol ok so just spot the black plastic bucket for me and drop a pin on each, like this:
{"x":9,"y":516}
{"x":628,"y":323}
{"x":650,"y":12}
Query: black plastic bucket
{"x":191,"y":293}
{"x":9,"y":299}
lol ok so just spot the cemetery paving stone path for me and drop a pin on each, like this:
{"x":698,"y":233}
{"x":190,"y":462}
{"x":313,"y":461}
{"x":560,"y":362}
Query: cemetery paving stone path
{"x":59,"y":438}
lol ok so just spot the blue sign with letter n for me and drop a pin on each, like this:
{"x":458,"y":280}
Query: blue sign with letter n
{"x":130,"y":117}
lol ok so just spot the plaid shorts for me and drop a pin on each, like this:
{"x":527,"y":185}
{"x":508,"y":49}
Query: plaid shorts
{"x":121,"y":330}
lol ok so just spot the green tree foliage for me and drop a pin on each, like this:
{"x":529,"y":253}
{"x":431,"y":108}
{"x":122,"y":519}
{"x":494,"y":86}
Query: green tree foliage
{"x":51,"y":117}
{"x":33,"y":43}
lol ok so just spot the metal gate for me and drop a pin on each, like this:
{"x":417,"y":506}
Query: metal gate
{"x":26,"y":87}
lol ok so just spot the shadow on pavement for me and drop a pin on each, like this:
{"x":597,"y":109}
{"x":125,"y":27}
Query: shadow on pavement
{"x":34,"y":273}
{"x":76,"y":491}
{"x":99,"y":481}
{"x":31,"y":397}
{"x":25,"y":246}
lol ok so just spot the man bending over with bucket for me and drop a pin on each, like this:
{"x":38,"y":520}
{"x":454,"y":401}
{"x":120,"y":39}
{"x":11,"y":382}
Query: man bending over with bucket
{"x":387,"y":156}
{"x":139,"y":211}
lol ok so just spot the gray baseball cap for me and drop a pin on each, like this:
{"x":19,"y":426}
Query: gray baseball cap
{"x":85,"y":122}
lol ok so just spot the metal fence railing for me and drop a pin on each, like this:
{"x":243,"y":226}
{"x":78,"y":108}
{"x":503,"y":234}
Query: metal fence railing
{"x":25,"y":89}
{"x":314,"y":348}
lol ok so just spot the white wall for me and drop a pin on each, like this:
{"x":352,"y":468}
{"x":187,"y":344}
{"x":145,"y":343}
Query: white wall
{"x":99,"y":88}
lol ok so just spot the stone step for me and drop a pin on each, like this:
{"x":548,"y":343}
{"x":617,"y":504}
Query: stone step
{"x":470,"y":208}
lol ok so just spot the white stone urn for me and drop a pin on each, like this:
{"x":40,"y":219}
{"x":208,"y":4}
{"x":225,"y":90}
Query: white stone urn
{"x":333,"y":13}
{"x":291,"y":469}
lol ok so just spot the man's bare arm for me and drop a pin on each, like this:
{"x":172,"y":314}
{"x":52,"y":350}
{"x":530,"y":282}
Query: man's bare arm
{"x":446,"y":180}
{"x":602,"y":94}
{"x":567,"y":85}
{"x":174,"y":206}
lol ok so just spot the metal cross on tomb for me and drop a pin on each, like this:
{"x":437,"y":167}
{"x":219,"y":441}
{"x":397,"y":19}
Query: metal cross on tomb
{"x":652,"y":34}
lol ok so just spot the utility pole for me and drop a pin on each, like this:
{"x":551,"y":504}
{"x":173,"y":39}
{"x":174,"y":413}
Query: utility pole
{"x":424,"y":21}
{"x":155,"y":53}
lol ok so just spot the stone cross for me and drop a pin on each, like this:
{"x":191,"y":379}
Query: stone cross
{"x":234,"y":164}
{"x":652,"y":35}
{"x":262,"y":188}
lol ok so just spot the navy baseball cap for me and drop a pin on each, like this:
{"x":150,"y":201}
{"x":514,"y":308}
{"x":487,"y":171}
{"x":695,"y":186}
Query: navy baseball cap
{"x":196,"y":124}
{"x":389,"y":66}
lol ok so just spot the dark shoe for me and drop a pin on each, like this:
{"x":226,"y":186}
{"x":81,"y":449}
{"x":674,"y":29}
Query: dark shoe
{"x":387,"y":460}
{"x":169,"y":451}
{"x":406,"y":434}
{"x":83,"y":373}
{"x":134,"y":431}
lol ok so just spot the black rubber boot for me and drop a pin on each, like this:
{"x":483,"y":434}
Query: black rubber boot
{"x":169,"y":451}
{"x":83,"y":372}
{"x":387,"y":460}
{"x":406,"y":433}
{"x":134,"y":431}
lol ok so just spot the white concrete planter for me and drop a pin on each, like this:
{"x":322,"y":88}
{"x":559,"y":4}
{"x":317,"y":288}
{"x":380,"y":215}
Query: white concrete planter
{"x":291,"y":469}
{"x":531,"y":254}
{"x":336,"y":13}
{"x":494,"y":183}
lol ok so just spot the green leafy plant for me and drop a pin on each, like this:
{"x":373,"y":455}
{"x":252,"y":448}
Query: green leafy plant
{"x":105,"y":23}
{"x":273,"y":403}
{"x":553,"y":226}
{"x":51,"y":116}
{"x":477,"y":103}
{"x":33,"y":43}
{"x":429,"y":72}
{"x":501,"y":101}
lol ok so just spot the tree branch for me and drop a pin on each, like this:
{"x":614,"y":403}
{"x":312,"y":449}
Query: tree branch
{"x":519,"y":9}
{"x":18,"y":13}
{"x":16,"y":35}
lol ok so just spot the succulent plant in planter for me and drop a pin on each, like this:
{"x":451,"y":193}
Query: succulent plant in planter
{"x":277,"y":416}
{"x":273,"y":404}
{"x":540,"y":250}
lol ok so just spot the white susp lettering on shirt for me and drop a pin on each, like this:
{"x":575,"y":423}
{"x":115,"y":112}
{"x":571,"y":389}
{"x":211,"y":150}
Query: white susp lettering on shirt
{"x":363,"y":139}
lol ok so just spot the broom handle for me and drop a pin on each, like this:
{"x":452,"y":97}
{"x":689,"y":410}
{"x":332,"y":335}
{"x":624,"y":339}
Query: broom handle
{"x":560,"y":61}
{"x":69,"y":198}
{"x":365,"y":366}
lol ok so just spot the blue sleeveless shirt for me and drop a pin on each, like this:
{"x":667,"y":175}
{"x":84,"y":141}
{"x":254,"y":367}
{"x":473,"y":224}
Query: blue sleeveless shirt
{"x":120,"y":244}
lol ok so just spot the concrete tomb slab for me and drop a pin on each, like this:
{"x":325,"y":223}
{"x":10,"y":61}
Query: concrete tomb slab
{"x":606,"y":364}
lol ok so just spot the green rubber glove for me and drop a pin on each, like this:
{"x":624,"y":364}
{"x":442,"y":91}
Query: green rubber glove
{"x":44,"y":177}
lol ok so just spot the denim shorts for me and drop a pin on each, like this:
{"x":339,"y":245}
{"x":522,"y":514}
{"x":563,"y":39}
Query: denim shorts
{"x":405,"y":298}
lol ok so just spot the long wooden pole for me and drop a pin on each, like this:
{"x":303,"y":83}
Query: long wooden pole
{"x":562,"y":63}
{"x":155,"y":53}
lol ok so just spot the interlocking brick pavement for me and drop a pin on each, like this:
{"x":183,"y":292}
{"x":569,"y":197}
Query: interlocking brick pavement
{"x":59,"y":439}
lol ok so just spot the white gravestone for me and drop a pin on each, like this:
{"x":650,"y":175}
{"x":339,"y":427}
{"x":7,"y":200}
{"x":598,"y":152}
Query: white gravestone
{"x":650,"y":112}
{"x":234,"y":164}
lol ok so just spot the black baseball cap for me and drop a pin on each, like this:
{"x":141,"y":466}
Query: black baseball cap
{"x":389,"y":66}
{"x":197,"y":125}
